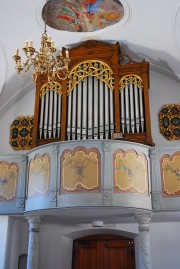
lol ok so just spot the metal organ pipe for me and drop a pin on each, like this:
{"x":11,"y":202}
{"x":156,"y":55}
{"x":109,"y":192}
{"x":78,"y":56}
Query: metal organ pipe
{"x":132,"y":109}
{"x":50,"y":115}
{"x":90,"y":110}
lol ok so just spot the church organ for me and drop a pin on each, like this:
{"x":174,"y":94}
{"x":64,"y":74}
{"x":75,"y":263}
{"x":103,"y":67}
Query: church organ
{"x":104,"y":97}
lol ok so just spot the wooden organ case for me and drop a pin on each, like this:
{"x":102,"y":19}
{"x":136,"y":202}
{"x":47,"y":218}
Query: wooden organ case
{"x":104,"y":97}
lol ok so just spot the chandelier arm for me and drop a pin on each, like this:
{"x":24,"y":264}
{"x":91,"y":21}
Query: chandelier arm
{"x":45,"y":61}
{"x":64,"y":77}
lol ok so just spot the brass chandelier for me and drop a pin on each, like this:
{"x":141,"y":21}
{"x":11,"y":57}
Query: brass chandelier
{"x":43,"y":62}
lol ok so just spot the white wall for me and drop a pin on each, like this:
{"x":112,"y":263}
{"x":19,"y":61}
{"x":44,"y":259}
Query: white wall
{"x":17,"y":242}
{"x":165,"y":245}
{"x":3,"y":239}
{"x":163,"y":90}
{"x":24,"y":107}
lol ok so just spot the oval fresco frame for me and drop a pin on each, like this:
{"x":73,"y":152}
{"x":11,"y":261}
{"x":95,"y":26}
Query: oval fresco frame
{"x":125,"y":19}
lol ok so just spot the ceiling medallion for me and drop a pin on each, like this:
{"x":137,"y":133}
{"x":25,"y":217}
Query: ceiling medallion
{"x":82,"y":15}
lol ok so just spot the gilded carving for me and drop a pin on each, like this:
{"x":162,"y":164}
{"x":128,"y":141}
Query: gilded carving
{"x":130,"y":172}
{"x":56,"y":87}
{"x":21,"y":131}
{"x":80,"y":170}
{"x":170,"y":171}
{"x":94,"y":68}
{"x":8,"y":180}
{"x":39,"y":173}
{"x":169,"y":121}
{"x":130,"y":79}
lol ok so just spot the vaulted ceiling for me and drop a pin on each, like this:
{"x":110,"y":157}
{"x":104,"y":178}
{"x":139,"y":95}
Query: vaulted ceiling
{"x":148,"y":29}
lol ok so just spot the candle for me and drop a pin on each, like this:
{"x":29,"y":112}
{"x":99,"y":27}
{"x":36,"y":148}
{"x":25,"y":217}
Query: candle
{"x":52,"y":43}
{"x":17,"y":52}
{"x":54,"y":72}
{"x":49,"y":39}
{"x":31,"y":43}
{"x":26,"y":44}
{"x":19,"y":63}
{"x":67,"y":54}
{"x":60,"y":52}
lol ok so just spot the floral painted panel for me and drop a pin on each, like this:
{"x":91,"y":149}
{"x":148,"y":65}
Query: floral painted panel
{"x":170,"y":171}
{"x":80,"y":170}
{"x":39,"y":173}
{"x":8,"y":180}
{"x":82,"y":15}
{"x":130,"y":172}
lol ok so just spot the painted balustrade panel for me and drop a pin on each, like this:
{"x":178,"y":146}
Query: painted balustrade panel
{"x":170,"y":174}
{"x":41,"y":178}
{"x":12,"y":184}
{"x":98,"y":173}
{"x":165,"y":165}
{"x":131,"y":175}
{"x":80,"y":170}
{"x":90,"y":173}
{"x":130,"y":172}
{"x":8,"y":180}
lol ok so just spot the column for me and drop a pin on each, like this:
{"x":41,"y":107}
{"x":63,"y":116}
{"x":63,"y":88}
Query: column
{"x":144,"y":241}
{"x":33,"y":245}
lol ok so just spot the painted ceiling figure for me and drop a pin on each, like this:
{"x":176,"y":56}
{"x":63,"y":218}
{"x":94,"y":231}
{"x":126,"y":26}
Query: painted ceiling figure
{"x":92,"y":7}
{"x":71,"y":15}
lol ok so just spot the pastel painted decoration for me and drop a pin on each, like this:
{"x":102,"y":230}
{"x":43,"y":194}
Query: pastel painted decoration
{"x":82,"y":15}
{"x":130,"y":172}
{"x":39,"y":173}
{"x":80,"y":170}
{"x":8,"y":180}
{"x":170,"y":171}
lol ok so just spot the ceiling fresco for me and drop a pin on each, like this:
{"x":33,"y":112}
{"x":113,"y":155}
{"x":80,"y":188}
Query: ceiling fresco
{"x":82,"y":15}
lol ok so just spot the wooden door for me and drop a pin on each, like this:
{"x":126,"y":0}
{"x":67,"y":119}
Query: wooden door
{"x":103,"y":252}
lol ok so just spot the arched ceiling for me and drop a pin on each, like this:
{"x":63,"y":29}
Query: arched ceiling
{"x":149,"y":29}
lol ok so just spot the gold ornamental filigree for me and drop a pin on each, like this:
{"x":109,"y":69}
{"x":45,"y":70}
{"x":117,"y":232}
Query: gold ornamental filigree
{"x":93,"y":68}
{"x":130,"y":79}
{"x":56,"y":87}
{"x":44,"y":61}
{"x":21,"y":131}
{"x":169,"y":121}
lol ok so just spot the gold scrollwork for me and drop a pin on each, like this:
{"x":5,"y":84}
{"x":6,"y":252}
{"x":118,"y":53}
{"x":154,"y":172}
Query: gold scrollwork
{"x":56,"y":87}
{"x":130,"y":79}
{"x":169,"y":121}
{"x":21,"y":131}
{"x":94,"y":68}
